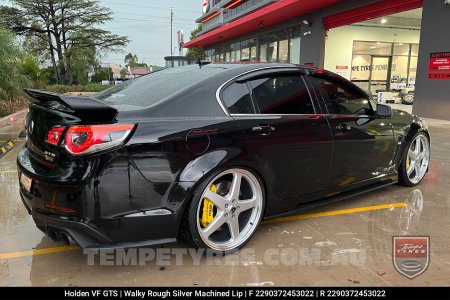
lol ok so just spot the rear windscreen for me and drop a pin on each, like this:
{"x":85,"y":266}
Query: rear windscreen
{"x":156,"y":87}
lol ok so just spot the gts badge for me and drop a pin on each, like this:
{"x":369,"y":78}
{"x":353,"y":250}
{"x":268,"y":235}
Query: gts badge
{"x":49,"y":156}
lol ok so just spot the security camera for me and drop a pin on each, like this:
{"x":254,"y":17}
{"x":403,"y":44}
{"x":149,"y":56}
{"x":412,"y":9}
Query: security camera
{"x":447,"y":2}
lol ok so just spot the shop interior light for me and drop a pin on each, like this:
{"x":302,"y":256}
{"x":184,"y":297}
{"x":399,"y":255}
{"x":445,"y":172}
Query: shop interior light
{"x":384,"y":21}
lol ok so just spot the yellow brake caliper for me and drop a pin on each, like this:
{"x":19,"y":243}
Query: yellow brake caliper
{"x":208,"y":209}
{"x":408,"y":163}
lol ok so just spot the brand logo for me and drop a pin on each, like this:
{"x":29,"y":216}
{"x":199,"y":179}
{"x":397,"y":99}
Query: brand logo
{"x":411,"y":255}
{"x":205,"y":6}
{"x":31,"y":127}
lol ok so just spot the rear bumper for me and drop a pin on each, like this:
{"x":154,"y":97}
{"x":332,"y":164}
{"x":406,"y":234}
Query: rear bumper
{"x":84,"y":235}
{"x":114,"y":209}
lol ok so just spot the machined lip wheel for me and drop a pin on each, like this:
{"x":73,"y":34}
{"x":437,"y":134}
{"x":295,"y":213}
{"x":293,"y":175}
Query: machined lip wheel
{"x":418,"y":158}
{"x":238,"y":203}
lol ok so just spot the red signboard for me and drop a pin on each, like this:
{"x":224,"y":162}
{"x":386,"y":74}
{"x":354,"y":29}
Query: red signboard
{"x":341,"y":67}
{"x":439,"y":76}
{"x":439,"y":66}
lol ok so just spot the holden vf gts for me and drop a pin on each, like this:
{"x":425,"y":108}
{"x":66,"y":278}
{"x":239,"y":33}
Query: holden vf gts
{"x":206,"y":152}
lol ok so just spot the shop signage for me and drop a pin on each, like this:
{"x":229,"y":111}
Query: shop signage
{"x":341,"y":67}
{"x":439,"y":76}
{"x":205,"y":6}
{"x":439,"y":67}
{"x":439,"y":62}
{"x":383,"y":67}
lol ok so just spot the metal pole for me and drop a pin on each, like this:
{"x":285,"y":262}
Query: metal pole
{"x":171,"y":31}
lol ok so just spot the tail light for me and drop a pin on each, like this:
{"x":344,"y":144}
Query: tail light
{"x":80,"y":140}
{"x":54,"y":135}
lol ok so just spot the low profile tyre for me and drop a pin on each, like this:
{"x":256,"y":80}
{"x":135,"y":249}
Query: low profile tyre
{"x":225,"y":211}
{"x":408,"y":99}
{"x":415,"y":161}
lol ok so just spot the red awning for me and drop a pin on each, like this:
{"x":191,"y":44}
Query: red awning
{"x":372,"y":11}
{"x":272,"y":14}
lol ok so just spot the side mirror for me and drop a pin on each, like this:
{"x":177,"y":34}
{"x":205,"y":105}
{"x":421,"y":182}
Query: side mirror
{"x":384,"y":111}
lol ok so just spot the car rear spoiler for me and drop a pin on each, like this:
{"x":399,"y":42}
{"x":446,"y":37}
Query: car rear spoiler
{"x":85,"y":108}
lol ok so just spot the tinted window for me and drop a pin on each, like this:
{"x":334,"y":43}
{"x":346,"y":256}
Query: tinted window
{"x":282,"y":95}
{"x":341,"y":99}
{"x":156,"y":87}
{"x":237,"y":99}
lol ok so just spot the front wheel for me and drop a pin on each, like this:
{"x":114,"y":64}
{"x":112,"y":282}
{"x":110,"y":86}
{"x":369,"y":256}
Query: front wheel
{"x":415,"y":161}
{"x":225,"y":211}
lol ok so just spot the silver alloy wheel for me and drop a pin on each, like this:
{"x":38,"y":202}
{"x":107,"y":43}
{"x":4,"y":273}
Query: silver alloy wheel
{"x":418,"y":159}
{"x":408,"y":98}
{"x":229,"y":208}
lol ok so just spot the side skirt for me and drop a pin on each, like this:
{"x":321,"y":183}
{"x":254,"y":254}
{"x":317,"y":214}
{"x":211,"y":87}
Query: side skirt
{"x":336,"y":198}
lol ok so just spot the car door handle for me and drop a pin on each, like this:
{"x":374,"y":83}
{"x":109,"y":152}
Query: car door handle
{"x":263,"y":129}
{"x":344,"y":128}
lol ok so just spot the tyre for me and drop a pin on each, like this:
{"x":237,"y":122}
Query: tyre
{"x":408,"y":99}
{"x":225,"y":211}
{"x":415,"y":160}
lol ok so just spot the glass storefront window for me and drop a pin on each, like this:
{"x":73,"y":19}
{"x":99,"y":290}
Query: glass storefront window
{"x":283,"y":51}
{"x":263,"y":53}
{"x":227,"y":57}
{"x":373,"y":61}
{"x":399,"y":71}
{"x":361,"y":66}
{"x":402,"y":49}
{"x":295,"y":51}
{"x":412,"y":71}
{"x":372,"y":48}
{"x":253,"y":54}
{"x":415,"y":50}
{"x":272,"y":52}
{"x":280,"y":46}
{"x":245,"y":56}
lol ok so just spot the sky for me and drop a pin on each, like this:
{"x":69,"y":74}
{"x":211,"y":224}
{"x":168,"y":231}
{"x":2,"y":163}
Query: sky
{"x":147,"y":25}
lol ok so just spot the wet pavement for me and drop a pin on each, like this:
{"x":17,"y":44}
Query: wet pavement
{"x":342,"y":248}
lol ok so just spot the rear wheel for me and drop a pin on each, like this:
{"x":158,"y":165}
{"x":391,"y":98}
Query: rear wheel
{"x":225,"y":211}
{"x":415,"y":161}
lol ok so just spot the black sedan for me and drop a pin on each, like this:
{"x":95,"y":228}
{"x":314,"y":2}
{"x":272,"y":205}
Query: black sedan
{"x":207,"y":152}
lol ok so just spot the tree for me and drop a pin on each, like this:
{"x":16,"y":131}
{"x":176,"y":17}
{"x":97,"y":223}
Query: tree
{"x":123,"y":73}
{"x":30,"y":67}
{"x":195,"y":52}
{"x":63,"y":28}
{"x":11,"y":77}
{"x":83,"y":61}
{"x":132,"y":61}
{"x":102,"y":74}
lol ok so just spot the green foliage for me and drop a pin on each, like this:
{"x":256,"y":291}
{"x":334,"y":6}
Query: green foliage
{"x":82,"y":61}
{"x":30,"y":67}
{"x":123,"y":73}
{"x":89,"y":88}
{"x":61,"y":31}
{"x":12,"y":80}
{"x":102,"y":74}
{"x":132,"y":61}
{"x":195,"y":52}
